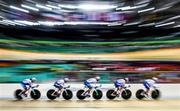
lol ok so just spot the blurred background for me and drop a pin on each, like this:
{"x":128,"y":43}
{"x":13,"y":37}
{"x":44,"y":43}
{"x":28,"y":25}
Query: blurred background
{"x":51,"y":39}
{"x":78,"y":71}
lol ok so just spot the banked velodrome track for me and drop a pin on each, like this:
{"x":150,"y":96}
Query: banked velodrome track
{"x":168,"y":104}
{"x":90,"y":105}
{"x":169,"y":100}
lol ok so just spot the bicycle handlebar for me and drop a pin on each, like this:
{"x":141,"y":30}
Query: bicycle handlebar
{"x":127,"y":86}
{"x":32,"y":87}
{"x":66,"y":87}
{"x":98,"y":86}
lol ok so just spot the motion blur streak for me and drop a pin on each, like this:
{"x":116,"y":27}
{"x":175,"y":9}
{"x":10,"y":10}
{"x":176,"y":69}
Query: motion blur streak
{"x":29,"y":7}
{"x":160,"y":54}
{"x":20,"y":9}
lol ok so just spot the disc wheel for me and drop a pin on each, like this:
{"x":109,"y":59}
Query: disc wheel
{"x":79,"y":94}
{"x":126,"y":94}
{"x":67,"y":94}
{"x":155,"y":94}
{"x":139,"y":94}
{"x":17,"y":94}
{"x":109,"y":94}
{"x":97,"y":94}
{"x":36,"y":94}
{"x":50,"y":94}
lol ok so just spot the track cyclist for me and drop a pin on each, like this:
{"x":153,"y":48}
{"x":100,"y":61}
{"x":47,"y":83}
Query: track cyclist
{"x":119,"y":85}
{"x":90,"y":83}
{"x":60,"y":84}
{"x":27,"y":84}
{"x":148,"y":83}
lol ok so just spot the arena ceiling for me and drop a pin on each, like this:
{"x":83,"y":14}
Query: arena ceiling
{"x":93,"y":19}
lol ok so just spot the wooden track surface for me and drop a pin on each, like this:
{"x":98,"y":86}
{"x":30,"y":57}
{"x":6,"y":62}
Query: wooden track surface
{"x":90,"y":105}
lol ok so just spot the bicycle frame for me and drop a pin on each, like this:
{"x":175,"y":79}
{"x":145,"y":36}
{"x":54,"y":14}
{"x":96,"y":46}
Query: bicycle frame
{"x":63,"y":89}
{"x":153,"y":88}
{"x":94,"y":89}
{"x":31,"y":89}
{"x":123,"y":89}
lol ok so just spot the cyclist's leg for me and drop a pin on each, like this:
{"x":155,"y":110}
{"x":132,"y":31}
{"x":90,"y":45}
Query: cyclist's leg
{"x":25,"y":89}
{"x":116,"y":89}
{"x":147,"y":87}
{"x":87,"y":92}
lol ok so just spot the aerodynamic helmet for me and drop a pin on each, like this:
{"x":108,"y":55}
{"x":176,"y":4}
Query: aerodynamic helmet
{"x":33,"y":79}
{"x":97,"y":78}
{"x":126,"y":79}
{"x":155,"y":78}
{"x":66,"y":79}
